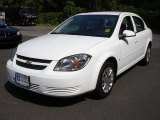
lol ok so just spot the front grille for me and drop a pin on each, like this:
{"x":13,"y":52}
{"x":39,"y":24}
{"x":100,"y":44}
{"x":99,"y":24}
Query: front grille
{"x":37,"y":67}
{"x":34,"y":59}
{"x":4,"y":34}
{"x":11,"y":34}
{"x":32,"y":63}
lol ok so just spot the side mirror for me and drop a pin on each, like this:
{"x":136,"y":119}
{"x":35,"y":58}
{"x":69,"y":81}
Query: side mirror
{"x":127,"y":33}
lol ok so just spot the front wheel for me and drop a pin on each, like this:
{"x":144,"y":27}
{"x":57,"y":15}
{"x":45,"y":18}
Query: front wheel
{"x":105,"y":81}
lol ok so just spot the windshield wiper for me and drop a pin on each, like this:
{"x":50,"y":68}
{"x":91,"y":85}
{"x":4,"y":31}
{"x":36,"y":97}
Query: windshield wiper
{"x":54,"y":33}
{"x":69,"y":33}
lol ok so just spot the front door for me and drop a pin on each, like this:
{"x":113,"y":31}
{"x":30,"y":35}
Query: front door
{"x":127,"y":45}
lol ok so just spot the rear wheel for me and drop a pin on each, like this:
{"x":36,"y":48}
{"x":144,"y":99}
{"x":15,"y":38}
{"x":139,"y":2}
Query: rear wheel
{"x":146,"y":59}
{"x":105,"y":80}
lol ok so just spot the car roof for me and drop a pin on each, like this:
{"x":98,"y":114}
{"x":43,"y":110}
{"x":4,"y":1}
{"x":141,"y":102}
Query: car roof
{"x":106,"y":13}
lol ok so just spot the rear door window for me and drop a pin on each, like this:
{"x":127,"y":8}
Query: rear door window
{"x":139,"y":24}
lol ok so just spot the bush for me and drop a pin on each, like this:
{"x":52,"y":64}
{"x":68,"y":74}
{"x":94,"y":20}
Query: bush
{"x":1,"y":7}
{"x":55,"y":18}
{"x":150,"y":17}
{"x":50,"y":18}
{"x":71,"y":9}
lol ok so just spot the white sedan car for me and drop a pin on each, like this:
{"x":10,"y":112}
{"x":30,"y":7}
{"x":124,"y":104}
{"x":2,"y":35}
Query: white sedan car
{"x":85,"y":53}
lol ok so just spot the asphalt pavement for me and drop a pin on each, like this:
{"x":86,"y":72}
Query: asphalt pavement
{"x":135,"y":96}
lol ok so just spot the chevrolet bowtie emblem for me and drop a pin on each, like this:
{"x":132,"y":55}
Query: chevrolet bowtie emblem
{"x":28,"y":62}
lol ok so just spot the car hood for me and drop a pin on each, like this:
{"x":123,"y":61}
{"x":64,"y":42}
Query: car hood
{"x":57,"y":46}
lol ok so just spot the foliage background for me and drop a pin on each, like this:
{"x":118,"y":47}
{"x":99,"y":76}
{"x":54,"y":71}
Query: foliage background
{"x":55,"y":11}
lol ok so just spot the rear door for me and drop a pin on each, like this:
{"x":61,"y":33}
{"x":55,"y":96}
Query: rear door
{"x":141,"y":36}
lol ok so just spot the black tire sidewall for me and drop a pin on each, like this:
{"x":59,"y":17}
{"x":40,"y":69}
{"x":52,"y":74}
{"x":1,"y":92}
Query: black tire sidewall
{"x":99,"y":91}
{"x":144,"y":60}
{"x":147,"y":62}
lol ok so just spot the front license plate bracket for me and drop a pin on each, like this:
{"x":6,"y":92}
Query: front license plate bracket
{"x":22,"y":80}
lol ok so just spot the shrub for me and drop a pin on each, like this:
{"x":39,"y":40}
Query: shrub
{"x":71,"y":9}
{"x":150,"y":17}
{"x":52,"y":18}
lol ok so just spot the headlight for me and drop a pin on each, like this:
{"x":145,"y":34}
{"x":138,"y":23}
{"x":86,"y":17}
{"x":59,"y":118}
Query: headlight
{"x":72,"y":63}
{"x":13,"y":53}
{"x":18,"y":33}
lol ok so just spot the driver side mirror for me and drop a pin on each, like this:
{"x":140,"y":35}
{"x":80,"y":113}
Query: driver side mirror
{"x":127,"y":33}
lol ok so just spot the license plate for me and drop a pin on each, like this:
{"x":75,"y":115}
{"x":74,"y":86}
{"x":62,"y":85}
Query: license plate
{"x":22,"y":80}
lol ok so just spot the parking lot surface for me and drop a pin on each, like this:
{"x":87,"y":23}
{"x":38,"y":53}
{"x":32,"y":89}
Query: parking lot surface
{"x":135,"y":96}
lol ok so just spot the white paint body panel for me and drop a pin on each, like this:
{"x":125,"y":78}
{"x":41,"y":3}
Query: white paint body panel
{"x":55,"y":47}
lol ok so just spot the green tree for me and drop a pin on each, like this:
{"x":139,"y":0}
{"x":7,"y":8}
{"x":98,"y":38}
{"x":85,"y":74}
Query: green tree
{"x":71,"y":9}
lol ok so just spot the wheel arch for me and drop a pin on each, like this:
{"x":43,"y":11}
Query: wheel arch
{"x":115,"y":65}
{"x":113,"y":61}
{"x":150,"y":44}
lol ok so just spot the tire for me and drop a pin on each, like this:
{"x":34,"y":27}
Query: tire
{"x":105,"y":80}
{"x":146,"y":59}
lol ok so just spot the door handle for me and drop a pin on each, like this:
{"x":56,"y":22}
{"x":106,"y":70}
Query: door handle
{"x":136,"y":42}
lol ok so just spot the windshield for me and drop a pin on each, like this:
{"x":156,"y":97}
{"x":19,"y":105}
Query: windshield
{"x":2,"y":23}
{"x":89,"y":25}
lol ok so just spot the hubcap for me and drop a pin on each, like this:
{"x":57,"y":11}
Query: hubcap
{"x":148,"y":54}
{"x":107,"y":79}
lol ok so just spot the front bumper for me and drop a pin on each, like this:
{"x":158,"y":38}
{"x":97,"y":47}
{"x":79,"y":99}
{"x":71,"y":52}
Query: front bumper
{"x":53,"y":83}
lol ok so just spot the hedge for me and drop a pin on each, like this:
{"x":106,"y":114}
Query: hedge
{"x":52,"y":18}
{"x":152,"y":18}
